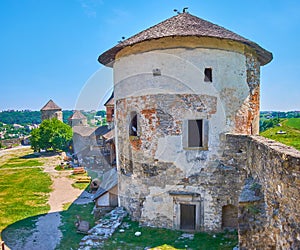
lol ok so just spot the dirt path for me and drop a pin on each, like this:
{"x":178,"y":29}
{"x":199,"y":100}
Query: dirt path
{"x":46,"y":235}
{"x":63,"y":192}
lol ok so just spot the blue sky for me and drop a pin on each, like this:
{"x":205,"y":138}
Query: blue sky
{"x":49,"y":48}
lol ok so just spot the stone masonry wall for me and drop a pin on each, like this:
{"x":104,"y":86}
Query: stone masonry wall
{"x":269,"y":204}
{"x":149,"y":170}
{"x":247,"y":117}
{"x":49,"y":114}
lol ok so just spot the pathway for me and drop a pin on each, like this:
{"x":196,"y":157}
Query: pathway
{"x":46,"y":235}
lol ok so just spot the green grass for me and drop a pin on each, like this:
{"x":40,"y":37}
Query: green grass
{"x":21,"y":163}
{"x":80,"y":186}
{"x":71,"y":238}
{"x":292,"y":136}
{"x":23,"y":192}
{"x":294,"y":123}
{"x":168,"y":239}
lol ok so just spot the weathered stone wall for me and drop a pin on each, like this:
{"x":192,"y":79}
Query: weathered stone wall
{"x":11,"y":142}
{"x":269,"y":206}
{"x":247,"y":117}
{"x":49,"y":114}
{"x":78,"y":122}
{"x":154,"y":163}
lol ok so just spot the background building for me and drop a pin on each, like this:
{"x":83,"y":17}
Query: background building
{"x":51,"y":110}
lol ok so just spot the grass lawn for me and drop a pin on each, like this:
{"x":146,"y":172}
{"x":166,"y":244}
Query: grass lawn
{"x":71,"y":238}
{"x":168,"y":239}
{"x":292,"y":129}
{"x":294,"y":123}
{"x":23,"y":191}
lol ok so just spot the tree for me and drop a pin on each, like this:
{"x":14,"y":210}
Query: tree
{"x":34,"y":140}
{"x":101,"y":113}
{"x":52,"y":134}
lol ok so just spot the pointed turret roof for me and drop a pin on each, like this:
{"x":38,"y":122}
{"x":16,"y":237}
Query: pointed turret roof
{"x":51,"y":105}
{"x":184,"y":24}
{"x":77,"y":115}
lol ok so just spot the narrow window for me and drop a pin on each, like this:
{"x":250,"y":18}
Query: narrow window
{"x":208,"y":75}
{"x":133,"y":124}
{"x":195,"y":133}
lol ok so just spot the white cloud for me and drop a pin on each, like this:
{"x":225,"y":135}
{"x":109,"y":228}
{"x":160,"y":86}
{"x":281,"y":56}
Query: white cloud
{"x":90,"y":7}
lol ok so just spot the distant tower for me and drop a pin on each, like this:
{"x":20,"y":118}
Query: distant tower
{"x":77,"y":119}
{"x":51,"y":110}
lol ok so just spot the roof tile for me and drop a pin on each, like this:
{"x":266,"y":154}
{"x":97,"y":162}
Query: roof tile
{"x":184,"y":24}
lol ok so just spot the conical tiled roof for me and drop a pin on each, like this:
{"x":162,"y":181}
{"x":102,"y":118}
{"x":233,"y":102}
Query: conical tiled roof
{"x":184,"y":24}
{"x":51,"y":105}
{"x":77,"y":115}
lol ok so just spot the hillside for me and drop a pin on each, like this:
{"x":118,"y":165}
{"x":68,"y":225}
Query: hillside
{"x":26,"y":117}
{"x":288,"y":133}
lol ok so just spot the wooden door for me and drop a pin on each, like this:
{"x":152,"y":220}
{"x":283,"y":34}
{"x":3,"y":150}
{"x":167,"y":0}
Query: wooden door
{"x":187,"y":217}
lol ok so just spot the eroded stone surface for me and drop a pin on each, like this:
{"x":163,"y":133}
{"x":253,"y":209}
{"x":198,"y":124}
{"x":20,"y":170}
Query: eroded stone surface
{"x":269,"y":206}
{"x":104,"y":229}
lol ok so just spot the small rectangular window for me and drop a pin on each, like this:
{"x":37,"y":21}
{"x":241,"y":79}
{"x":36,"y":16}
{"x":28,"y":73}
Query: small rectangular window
{"x":195,"y":134}
{"x":208,"y":75}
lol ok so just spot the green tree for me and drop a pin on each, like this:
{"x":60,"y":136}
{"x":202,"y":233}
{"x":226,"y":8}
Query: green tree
{"x":52,"y":134}
{"x":35,"y":139}
{"x":101,"y":113}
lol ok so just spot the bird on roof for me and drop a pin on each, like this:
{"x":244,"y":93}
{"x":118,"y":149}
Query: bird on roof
{"x":175,"y":10}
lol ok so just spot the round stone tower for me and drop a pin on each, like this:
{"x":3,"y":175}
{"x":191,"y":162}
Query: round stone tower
{"x":179,"y":87}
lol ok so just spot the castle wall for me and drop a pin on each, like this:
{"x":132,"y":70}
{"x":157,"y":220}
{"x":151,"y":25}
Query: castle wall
{"x":236,"y":80}
{"x":49,"y":114}
{"x":158,"y":173}
{"x":78,"y":122}
{"x":269,"y":205}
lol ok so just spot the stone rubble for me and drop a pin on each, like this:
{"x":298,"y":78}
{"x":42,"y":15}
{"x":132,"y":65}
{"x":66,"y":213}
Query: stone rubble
{"x":186,"y":236}
{"x":104,"y":229}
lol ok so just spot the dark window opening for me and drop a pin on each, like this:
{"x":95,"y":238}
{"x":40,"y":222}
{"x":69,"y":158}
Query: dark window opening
{"x":156,"y":72}
{"x":208,"y":75}
{"x":195,"y":133}
{"x":112,"y":113}
{"x":187,"y":217}
{"x":133,"y":124}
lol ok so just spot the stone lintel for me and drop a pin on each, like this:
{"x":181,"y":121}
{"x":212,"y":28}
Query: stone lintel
{"x":174,"y":193}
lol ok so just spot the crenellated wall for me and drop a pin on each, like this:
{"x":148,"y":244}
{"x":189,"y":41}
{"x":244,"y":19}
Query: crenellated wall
{"x":269,"y":204}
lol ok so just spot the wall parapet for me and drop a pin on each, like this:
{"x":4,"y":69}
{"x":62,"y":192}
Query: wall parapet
{"x":272,"y":222}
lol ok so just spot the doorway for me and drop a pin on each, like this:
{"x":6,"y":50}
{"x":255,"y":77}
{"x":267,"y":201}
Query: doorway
{"x":187,"y":217}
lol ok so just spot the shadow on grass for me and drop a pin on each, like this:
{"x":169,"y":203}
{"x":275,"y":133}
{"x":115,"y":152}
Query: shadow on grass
{"x":167,"y":239}
{"x":15,"y":235}
{"x":38,"y":155}
{"x":19,"y":234}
